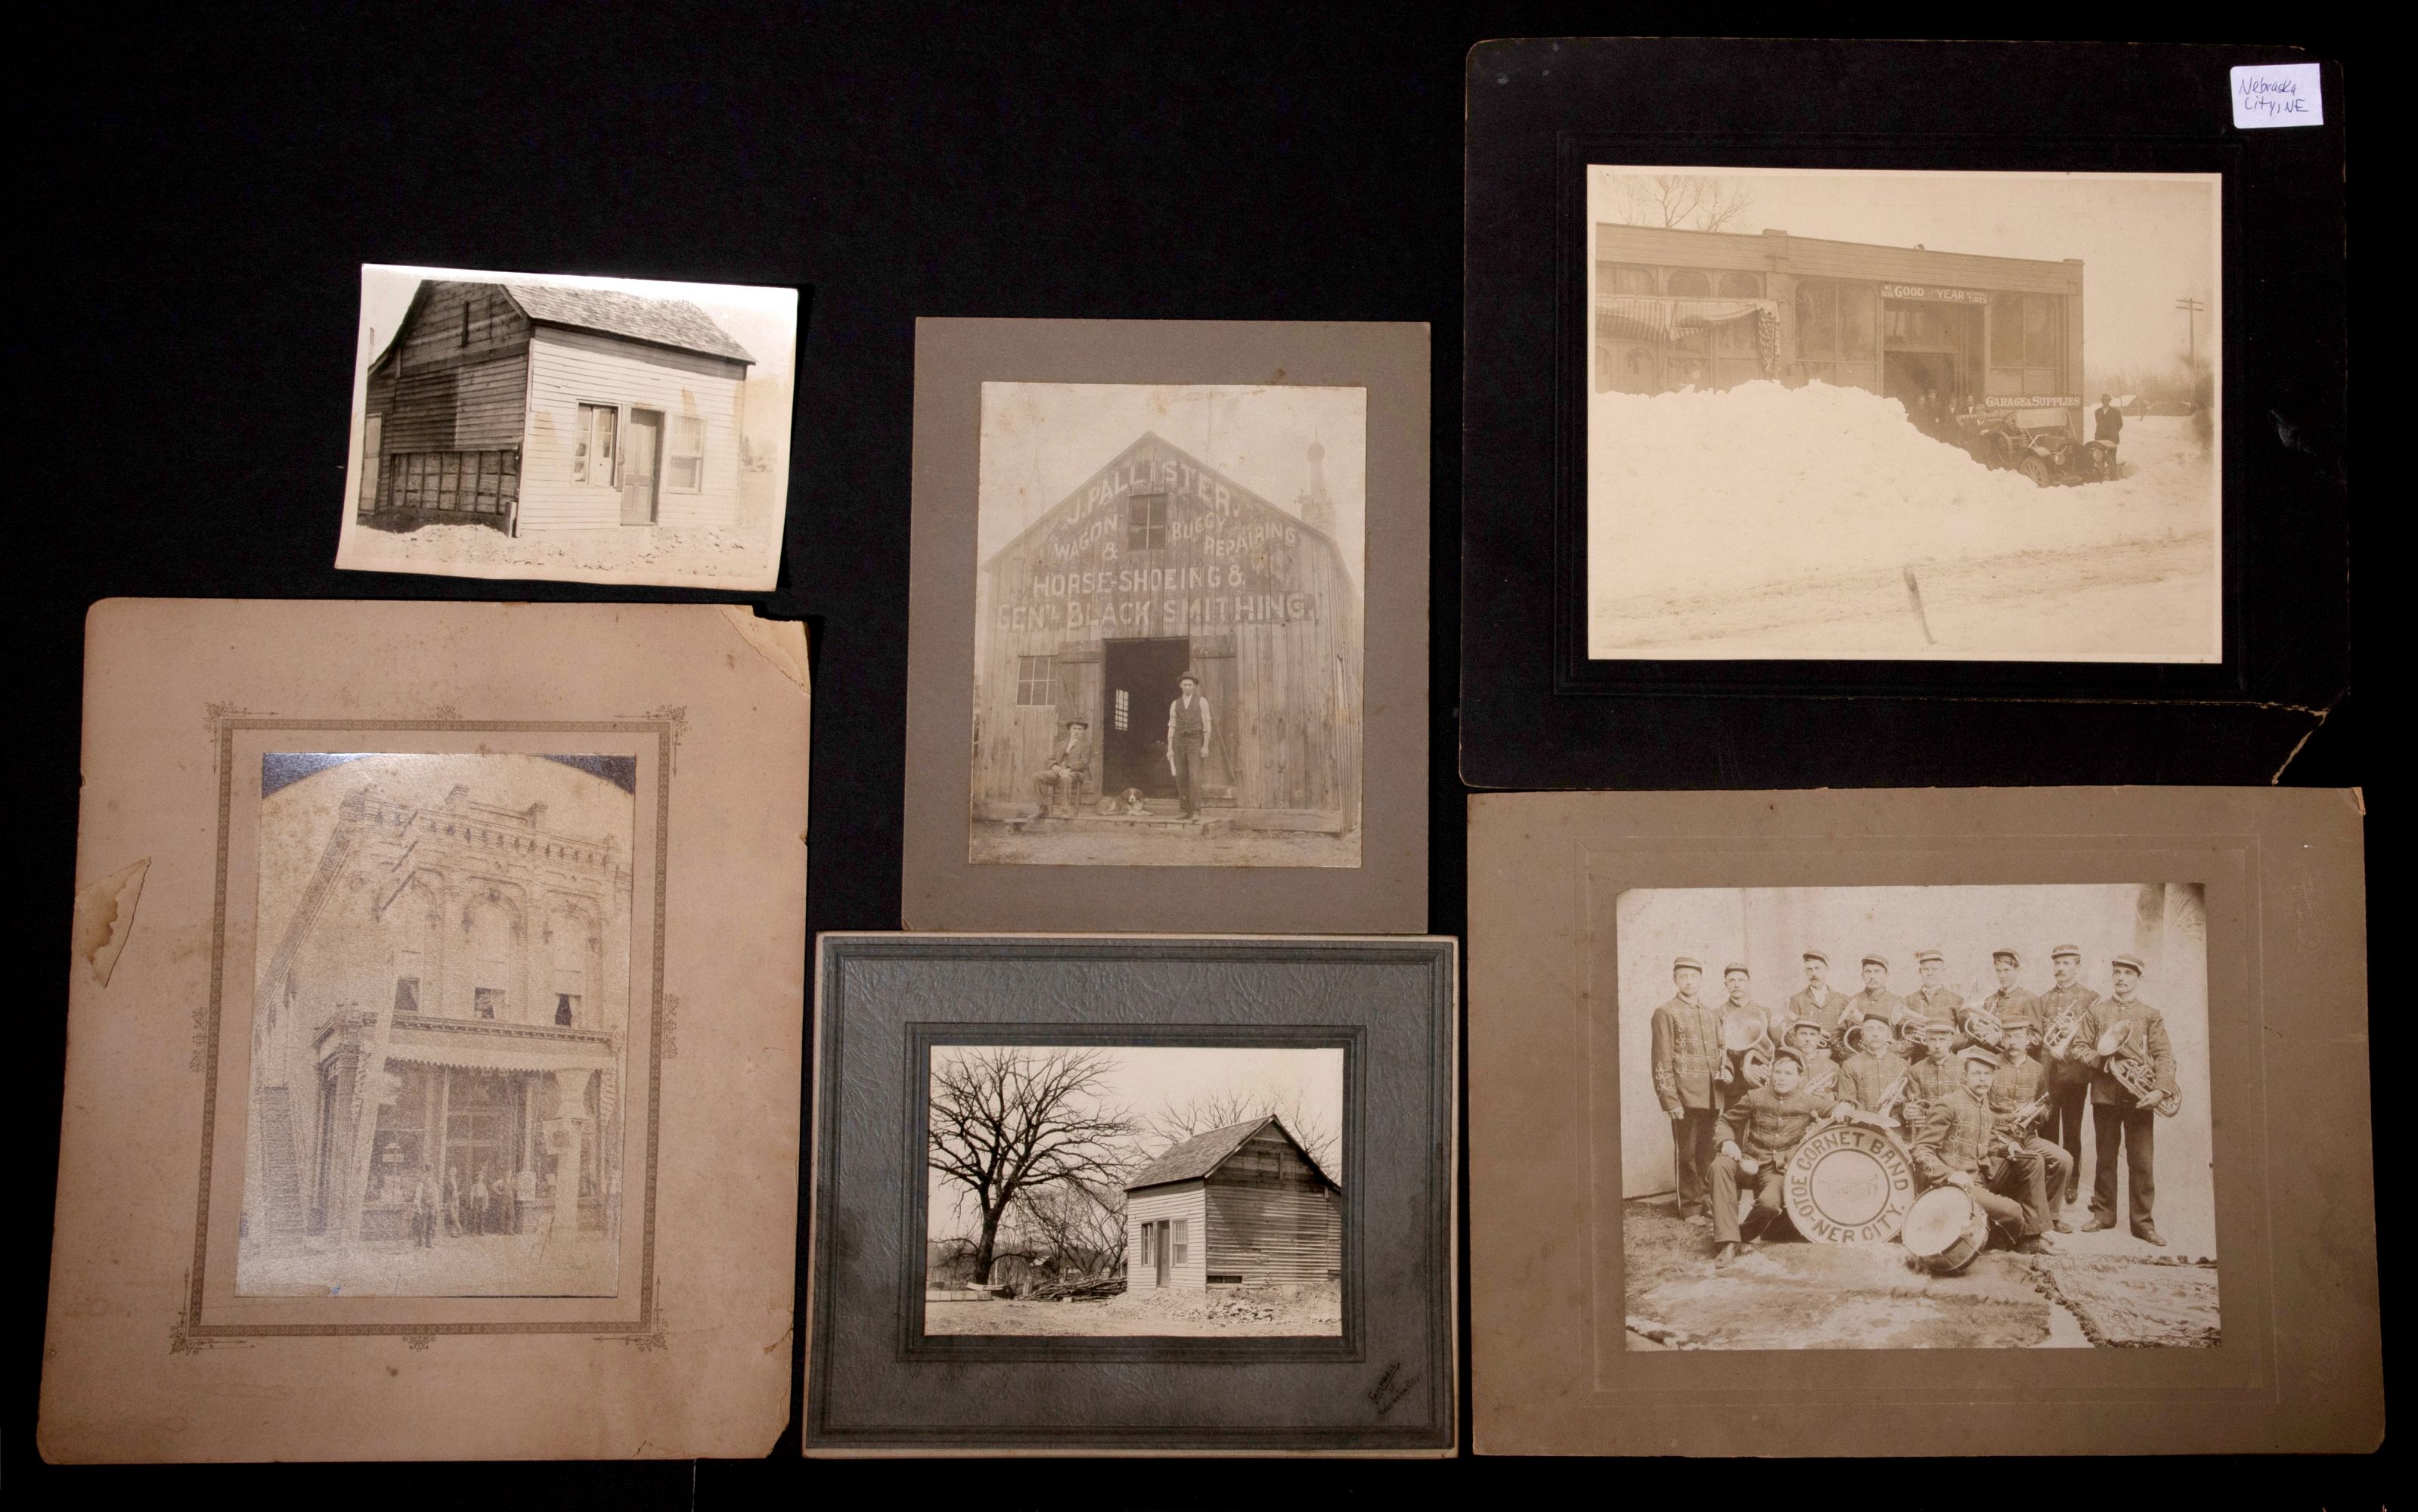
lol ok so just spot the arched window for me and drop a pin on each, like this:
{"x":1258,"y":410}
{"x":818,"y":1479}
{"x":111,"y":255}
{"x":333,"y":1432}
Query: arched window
{"x":1688,"y":283}
{"x":569,"y":933}
{"x":488,"y":923}
{"x":1741,"y":285}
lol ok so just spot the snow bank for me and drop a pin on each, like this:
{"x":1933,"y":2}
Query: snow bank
{"x":1707,"y":493}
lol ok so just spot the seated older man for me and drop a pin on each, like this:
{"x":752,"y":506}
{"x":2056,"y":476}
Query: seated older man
{"x":1064,"y":777}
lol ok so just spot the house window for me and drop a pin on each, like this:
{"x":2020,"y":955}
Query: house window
{"x":1687,"y":283}
{"x":566,"y":1008}
{"x":591,"y":445}
{"x":406,"y":995}
{"x":1036,"y":681}
{"x":1835,"y":323}
{"x":1226,"y":1278}
{"x":1149,"y":1254}
{"x":1741,"y":285}
{"x":1147,"y":522}
{"x":1125,"y":709}
{"x":485,"y":1001}
{"x":684,"y":473}
{"x":1182,"y":1243}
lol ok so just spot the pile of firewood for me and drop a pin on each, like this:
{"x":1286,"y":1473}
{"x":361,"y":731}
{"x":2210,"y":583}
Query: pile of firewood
{"x":1078,"y":1289}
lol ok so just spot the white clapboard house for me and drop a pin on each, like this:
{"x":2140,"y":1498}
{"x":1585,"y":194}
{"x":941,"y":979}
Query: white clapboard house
{"x":530,"y":408}
{"x":1244,"y":1205}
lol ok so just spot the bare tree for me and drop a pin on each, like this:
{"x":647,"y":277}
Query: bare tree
{"x":1009,"y":1120}
{"x":1076,"y":1224}
{"x":1686,"y":202}
{"x":1319,"y":1139}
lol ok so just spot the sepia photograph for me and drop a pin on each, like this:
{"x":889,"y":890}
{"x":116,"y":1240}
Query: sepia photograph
{"x":1904,"y":416}
{"x":1168,"y":648}
{"x":1135,"y":1191}
{"x":587,"y":429}
{"x":1942,"y":1117}
{"x":440,"y":1030}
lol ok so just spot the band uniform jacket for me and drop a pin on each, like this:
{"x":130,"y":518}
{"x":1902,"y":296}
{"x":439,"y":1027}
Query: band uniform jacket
{"x":1954,"y":1137}
{"x":1863,"y":1077}
{"x":1768,"y":1125}
{"x":1884,"y":1005}
{"x":1687,"y":1047}
{"x":2149,"y":1036}
{"x":1826,"y":1013}
{"x":1930,"y":1080}
{"x":2014,"y":1005}
{"x":1940,"y":1007}
{"x":2047,"y":1006}
{"x":2014,"y":1084}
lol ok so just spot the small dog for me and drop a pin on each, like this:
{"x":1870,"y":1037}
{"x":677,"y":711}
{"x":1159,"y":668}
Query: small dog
{"x":1133,"y":802}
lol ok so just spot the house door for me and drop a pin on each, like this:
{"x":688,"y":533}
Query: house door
{"x":642,"y":458}
{"x":1138,"y":680}
{"x":1159,"y":1232}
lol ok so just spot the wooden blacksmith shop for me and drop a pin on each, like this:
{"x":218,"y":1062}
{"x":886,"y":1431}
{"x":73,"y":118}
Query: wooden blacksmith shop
{"x":1244,"y":1205}
{"x":1160,"y":565}
{"x":528,"y":408}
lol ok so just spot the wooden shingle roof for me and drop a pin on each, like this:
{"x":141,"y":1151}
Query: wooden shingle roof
{"x":1199,"y":1156}
{"x":673,"y":323}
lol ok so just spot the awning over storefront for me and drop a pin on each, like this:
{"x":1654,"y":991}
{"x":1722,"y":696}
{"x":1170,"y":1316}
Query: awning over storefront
{"x":1655,"y":318}
{"x":445,"y":1051}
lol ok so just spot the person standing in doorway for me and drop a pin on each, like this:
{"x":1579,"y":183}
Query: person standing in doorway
{"x":1187,"y":742}
{"x":481,"y":1195}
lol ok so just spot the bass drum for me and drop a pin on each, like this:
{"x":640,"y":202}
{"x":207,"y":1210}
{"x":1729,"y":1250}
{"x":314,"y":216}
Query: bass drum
{"x":1848,"y":1184}
{"x":1946,"y":1230}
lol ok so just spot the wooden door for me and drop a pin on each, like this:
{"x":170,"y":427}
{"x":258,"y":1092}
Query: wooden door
{"x":1162,"y":1247}
{"x":373,"y":441}
{"x":642,"y":461}
{"x":1212,"y":661}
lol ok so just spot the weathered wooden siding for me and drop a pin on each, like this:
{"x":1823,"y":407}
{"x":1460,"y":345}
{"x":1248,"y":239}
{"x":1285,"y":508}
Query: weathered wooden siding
{"x":447,"y":395}
{"x":567,"y":369}
{"x":1272,"y":617}
{"x":1272,"y":1221}
{"x":1177,"y":1201}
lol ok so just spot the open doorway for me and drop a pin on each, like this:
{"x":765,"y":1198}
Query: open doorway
{"x":1926,"y":383}
{"x":1138,"y":680}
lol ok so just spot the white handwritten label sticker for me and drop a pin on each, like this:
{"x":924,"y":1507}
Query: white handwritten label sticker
{"x":2277,"y":94}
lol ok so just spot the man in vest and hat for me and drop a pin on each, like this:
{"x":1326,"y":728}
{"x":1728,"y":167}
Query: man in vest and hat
{"x":2068,"y":1074}
{"x":1688,"y":1068}
{"x":1957,"y":1146}
{"x":2125,"y":1126}
{"x":1187,"y":742}
{"x":1820,"y":1004}
{"x":1757,"y":1135}
{"x":1933,"y":1000}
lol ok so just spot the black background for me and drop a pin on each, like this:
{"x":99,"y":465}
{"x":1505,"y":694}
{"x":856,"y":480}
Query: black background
{"x":196,"y":194}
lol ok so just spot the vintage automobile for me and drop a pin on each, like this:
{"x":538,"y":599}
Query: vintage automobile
{"x":2045,"y":453}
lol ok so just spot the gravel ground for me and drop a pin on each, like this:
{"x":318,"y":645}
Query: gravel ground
{"x":680,"y":556}
{"x":1284,"y":1312}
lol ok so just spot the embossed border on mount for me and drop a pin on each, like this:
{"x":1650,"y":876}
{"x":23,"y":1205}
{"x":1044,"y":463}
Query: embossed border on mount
{"x":189,"y":1333}
{"x":892,"y":1364}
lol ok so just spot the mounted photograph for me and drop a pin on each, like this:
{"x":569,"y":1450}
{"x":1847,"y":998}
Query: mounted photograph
{"x":1888,"y":415}
{"x":1938,"y":1117}
{"x":440,"y":1026}
{"x":1167,"y":653}
{"x":1142,"y":1190}
{"x":588,"y":430}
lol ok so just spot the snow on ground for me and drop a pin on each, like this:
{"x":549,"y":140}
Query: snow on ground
{"x":1764,"y":520}
{"x":686,"y":555}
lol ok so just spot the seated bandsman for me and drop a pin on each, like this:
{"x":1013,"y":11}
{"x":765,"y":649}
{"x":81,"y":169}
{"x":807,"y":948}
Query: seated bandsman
{"x":1935,"y":1075}
{"x":2019,"y":1099}
{"x":1872,"y":1065}
{"x":1957,"y":1145}
{"x":1877,"y":1000}
{"x":1812,"y":1046}
{"x":2011,"y":1005}
{"x":1820,"y":1004}
{"x":1756,"y":1137}
{"x":1932,"y":1000}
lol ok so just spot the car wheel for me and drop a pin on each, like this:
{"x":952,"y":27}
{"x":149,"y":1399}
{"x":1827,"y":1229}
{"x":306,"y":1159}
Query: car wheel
{"x":2035,"y":469}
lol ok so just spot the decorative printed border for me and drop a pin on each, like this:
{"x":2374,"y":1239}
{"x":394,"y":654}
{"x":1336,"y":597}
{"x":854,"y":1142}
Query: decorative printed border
{"x":190,"y":1335}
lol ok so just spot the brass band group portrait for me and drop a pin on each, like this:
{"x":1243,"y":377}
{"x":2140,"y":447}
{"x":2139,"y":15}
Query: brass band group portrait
{"x":1942,"y":1073}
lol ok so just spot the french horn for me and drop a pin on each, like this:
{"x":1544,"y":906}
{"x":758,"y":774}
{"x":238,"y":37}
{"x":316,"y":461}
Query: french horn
{"x":2134,"y":1074}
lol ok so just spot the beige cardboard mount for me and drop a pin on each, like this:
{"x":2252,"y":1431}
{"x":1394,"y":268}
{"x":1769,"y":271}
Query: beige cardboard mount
{"x":675,"y":1342}
{"x":2299,"y":1365}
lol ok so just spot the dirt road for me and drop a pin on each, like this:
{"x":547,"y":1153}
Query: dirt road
{"x":1226,"y":1312}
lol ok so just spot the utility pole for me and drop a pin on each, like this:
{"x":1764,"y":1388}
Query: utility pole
{"x":2190,"y":309}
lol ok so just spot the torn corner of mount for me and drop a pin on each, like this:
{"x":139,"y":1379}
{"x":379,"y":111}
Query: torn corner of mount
{"x":105,"y":917}
{"x":781,"y":642}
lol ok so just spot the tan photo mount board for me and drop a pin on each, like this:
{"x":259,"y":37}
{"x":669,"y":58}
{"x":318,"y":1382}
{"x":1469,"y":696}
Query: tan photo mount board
{"x":2300,"y":1368}
{"x":152,"y":1354}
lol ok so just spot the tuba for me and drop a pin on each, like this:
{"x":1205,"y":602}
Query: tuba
{"x":2063,"y":1029}
{"x":2133,"y":1072}
{"x":1983,"y":1027}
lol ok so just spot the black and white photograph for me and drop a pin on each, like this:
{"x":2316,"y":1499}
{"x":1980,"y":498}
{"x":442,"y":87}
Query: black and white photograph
{"x":1140,"y":1190}
{"x":1942,"y":1117}
{"x":1889,"y":415}
{"x":440,"y":1030}
{"x":1167,"y":651}
{"x":586,"y":430}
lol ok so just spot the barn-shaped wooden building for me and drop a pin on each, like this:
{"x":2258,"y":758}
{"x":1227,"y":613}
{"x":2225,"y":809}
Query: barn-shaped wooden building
{"x":530,"y":408}
{"x":1159,"y":565}
{"x":1244,"y":1205}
